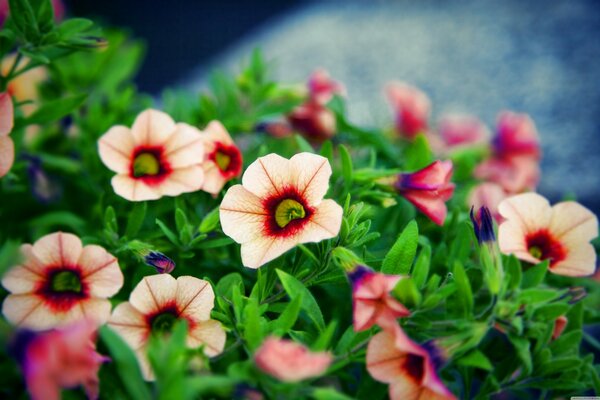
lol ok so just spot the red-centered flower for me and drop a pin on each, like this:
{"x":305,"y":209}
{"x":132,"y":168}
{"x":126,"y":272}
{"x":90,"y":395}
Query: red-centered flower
{"x":279,"y":205}
{"x":60,"y":359}
{"x":60,"y":282}
{"x":322,"y":88}
{"x":515,"y":174}
{"x":222,"y":158}
{"x":428,"y":189}
{"x":371,"y":299}
{"x":7,"y":147}
{"x":154,"y":306}
{"x":534,"y":231}
{"x":516,"y":135}
{"x":314,"y":121}
{"x":411,"y":107}
{"x":155,"y":158}
{"x":488,"y":195}
{"x":289,"y":361}
{"x":409,"y":369}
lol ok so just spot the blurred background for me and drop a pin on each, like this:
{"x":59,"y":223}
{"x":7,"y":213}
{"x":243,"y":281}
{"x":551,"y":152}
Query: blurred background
{"x":469,"y":56}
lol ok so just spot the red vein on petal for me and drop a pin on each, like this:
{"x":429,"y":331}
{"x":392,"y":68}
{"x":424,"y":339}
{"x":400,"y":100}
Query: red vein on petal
{"x":192,"y":299}
{"x":312,"y":178}
{"x":268,"y":176}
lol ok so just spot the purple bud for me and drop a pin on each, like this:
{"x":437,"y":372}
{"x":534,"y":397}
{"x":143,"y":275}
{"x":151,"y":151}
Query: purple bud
{"x":358,"y":274}
{"x":483,"y":225}
{"x":162,"y":263}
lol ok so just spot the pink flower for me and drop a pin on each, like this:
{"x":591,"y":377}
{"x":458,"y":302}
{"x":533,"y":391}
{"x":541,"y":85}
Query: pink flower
{"x":412,"y":108}
{"x":534,"y":231}
{"x":154,"y":306}
{"x":410,"y":369}
{"x":7,"y":147}
{"x":314,"y":121}
{"x":59,"y":359}
{"x":515,"y":174}
{"x":516,"y":135}
{"x":371,"y":299}
{"x":428,"y":189}
{"x":155,"y":158}
{"x":457,"y":130}
{"x":321,"y":87}
{"x":488,"y":195}
{"x":60,"y":282}
{"x":222,"y":159}
{"x":24,"y":87}
{"x":289,"y":361}
{"x":279,"y":205}
{"x":560,"y":324}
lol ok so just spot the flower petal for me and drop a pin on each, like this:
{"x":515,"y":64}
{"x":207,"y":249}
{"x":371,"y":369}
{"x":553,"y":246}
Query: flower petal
{"x":133,"y":189}
{"x":152,"y":127}
{"x":153,"y":292}
{"x":58,"y":249}
{"x":406,"y":389}
{"x":571,"y":222}
{"x":216,"y":132}
{"x":7,"y":154}
{"x":263,"y":249}
{"x":268,"y":175}
{"x":101,"y":271}
{"x":213,"y":179}
{"x":312,"y":176}
{"x":130,"y":324}
{"x":530,"y":210}
{"x":25,"y":310}
{"x":182,"y":180}
{"x":6,"y":114}
{"x":195,"y":298}
{"x":116,"y":148}
{"x":384,"y":360}
{"x":580,"y":261}
{"x":185,"y":147}
{"x":511,"y":240}
{"x":21,"y":279}
{"x":210,"y":334}
{"x":324,"y":224}
{"x":242,"y":214}
{"x":94,"y":309}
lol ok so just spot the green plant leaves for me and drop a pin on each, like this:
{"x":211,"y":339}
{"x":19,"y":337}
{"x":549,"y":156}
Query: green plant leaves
{"x":294,"y":288}
{"x":400,"y":257}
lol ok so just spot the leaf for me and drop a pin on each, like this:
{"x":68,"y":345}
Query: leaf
{"x":225,"y":285}
{"x":54,"y":110}
{"x":293,"y":288}
{"x":567,"y":342}
{"x":534,"y":275}
{"x":110,"y":219}
{"x":136,"y":219}
{"x":476,"y":359}
{"x":328,"y":394}
{"x":168,"y":232}
{"x":324,"y":340}
{"x":521,"y":346}
{"x":400,"y":257}
{"x":210,"y":221}
{"x":303,"y":145}
{"x":210,"y":244}
{"x":512,"y":266}
{"x":533,"y":296}
{"x":288,"y":317}
{"x":253,"y":332}
{"x":73,"y":26}
{"x":346,"y":167}
{"x":464,"y":291}
{"x":407,"y":293}
{"x":417,"y":154}
{"x":420,"y":271}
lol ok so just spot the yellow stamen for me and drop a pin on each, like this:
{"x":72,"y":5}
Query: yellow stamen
{"x":287,"y":211}
{"x":145,"y":164}
{"x":222,"y":160}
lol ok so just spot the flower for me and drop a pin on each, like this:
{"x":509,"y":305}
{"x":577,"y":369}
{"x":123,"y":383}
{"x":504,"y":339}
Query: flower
{"x":24,"y":87}
{"x":560,"y":324}
{"x":410,"y":369}
{"x":488,"y":195}
{"x":428,"y":189}
{"x":514,"y":174}
{"x":154,"y":306}
{"x":460,"y":130}
{"x":516,"y":135}
{"x":483,"y":225}
{"x":60,"y":282}
{"x":371,"y":299}
{"x":155,"y":158}
{"x":412,"y":108}
{"x":222,"y":158}
{"x":289,"y":361}
{"x":534,"y":231}
{"x":322,"y":88}
{"x":7,"y":147}
{"x":160,"y":262}
{"x":58,"y":359}
{"x":278,"y":205}
{"x":313,"y":120}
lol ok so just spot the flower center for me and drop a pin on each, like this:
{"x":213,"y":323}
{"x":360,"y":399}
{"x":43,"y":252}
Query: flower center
{"x":543,"y":246}
{"x":146,"y":164}
{"x":65,"y":282}
{"x":163,"y":322}
{"x":415,"y":366}
{"x":223,"y":160}
{"x":287,"y":211}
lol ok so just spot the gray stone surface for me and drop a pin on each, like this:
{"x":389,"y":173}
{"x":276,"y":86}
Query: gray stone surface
{"x":539,"y":57}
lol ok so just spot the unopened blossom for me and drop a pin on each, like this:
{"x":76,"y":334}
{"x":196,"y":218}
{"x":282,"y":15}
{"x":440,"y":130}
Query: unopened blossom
{"x":411,"y":107}
{"x":322,"y":88}
{"x":160,"y":262}
{"x":314,"y":121}
{"x":155,"y":158}
{"x":279,"y":205}
{"x":371,"y":299}
{"x":560,"y":324}
{"x":534,"y":231}
{"x":483,"y":225}
{"x":59,"y":282}
{"x":428,"y":189}
{"x":289,"y":361}
{"x":60,"y":359}
{"x":7,"y":147}
{"x":489,"y":195}
{"x":408,"y":368}
{"x":222,"y":158}
{"x":156,"y":303}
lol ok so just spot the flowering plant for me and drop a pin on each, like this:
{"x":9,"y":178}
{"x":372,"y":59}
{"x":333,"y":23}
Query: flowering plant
{"x":252,"y":242}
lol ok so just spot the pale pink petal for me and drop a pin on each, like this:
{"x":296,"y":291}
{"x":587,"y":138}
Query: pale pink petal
{"x":185,"y":147}
{"x":195,"y":298}
{"x":19,"y":309}
{"x":133,"y":189}
{"x":384,"y":360}
{"x":182,"y":180}
{"x":364,"y":315}
{"x":21,"y":279}
{"x":263,"y":249}
{"x":209,"y":334}
{"x":101,"y":271}
{"x":93,"y":309}
{"x":573,"y":223}
{"x":6,"y":114}
{"x":406,"y":389}
{"x":580,"y":261}
{"x":58,"y":249}
{"x":268,"y":175}
{"x":312,"y":173}
{"x":242,"y":214}
{"x":153,"y":292}
{"x":459,"y":129}
{"x":152,"y":127}
{"x":216,"y":132}
{"x":324,"y":224}
{"x":511,"y":240}
{"x":130,"y":324}
{"x":529,"y":209}
{"x":116,"y":149}
{"x":213,"y":179}
{"x":30,"y":261}
{"x":7,"y":155}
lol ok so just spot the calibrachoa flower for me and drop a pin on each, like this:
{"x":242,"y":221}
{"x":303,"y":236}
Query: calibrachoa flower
{"x":154,"y":306}
{"x":487,"y":194}
{"x":58,"y":359}
{"x":409,"y":369}
{"x":411,"y":106}
{"x":534,"y":231}
{"x":428,"y":189}
{"x":314,"y":120}
{"x":514,"y":174}
{"x":60,"y":282}
{"x":155,"y":158}
{"x":289,"y":361}
{"x":516,"y":135}
{"x":222,"y":158}
{"x":7,"y":147}
{"x":371,"y":299}
{"x":322,"y":88}
{"x":457,"y":131}
{"x":279,"y":205}
{"x":24,"y":87}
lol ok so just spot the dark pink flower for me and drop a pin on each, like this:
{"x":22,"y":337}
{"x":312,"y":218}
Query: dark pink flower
{"x":322,"y":88}
{"x":516,"y":135}
{"x":314,"y":121}
{"x":411,"y":107}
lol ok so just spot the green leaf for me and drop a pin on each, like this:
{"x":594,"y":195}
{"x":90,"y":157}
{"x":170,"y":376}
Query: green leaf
{"x":476,"y":359}
{"x":417,"y":154}
{"x":168,"y":232}
{"x":549,"y":312}
{"x":460,"y":247}
{"x":136,"y":219}
{"x":73,"y":26}
{"x":288,"y":317}
{"x":512,"y":266}
{"x":110,"y":219}
{"x":24,"y":18}
{"x":407,"y":292}
{"x":324,"y":340}
{"x":293,"y":288}
{"x":534,"y":296}
{"x":464,"y":292}
{"x":346,"y":167}
{"x":421,"y":270}
{"x":54,"y":110}
{"x":225,"y":285}
{"x":522,"y":346}
{"x":534,"y":275}
{"x":210,"y":221}
{"x":400,"y":257}
{"x":328,"y":394}
{"x":566,"y":343}
{"x":303,"y":144}
{"x":210,"y":244}
{"x":253,"y":332}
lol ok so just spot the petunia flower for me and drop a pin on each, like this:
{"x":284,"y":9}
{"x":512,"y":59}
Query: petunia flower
{"x":60,"y":359}
{"x":7,"y":147}
{"x":371,"y":299}
{"x":289,"y":361}
{"x":314,"y":121}
{"x":59,"y":282}
{"x":155,"y":158}
{"x":409,"y":369}
{"x":154,"y":306}
{"x":516,"y":135}
{"x":514,"y":174}
{"x":322,"y":88}
{"x":458,"y":130}
{"x":489,"y":195}
{"x":222,"y":158}
{"x":534,"y":231}
{"x":428,"y":189}
{"x":411,"y":107}
{"x":279,"y":205}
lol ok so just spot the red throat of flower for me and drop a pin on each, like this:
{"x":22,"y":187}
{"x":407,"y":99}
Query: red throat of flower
{"x":287,"y":212}
{"x":148,"y":164}
{"x":228,"y":159}
{"x":543,"y":246}
{"x":62,"y":288}
{"x":161,"y":321}
{"x":414,"y":365}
